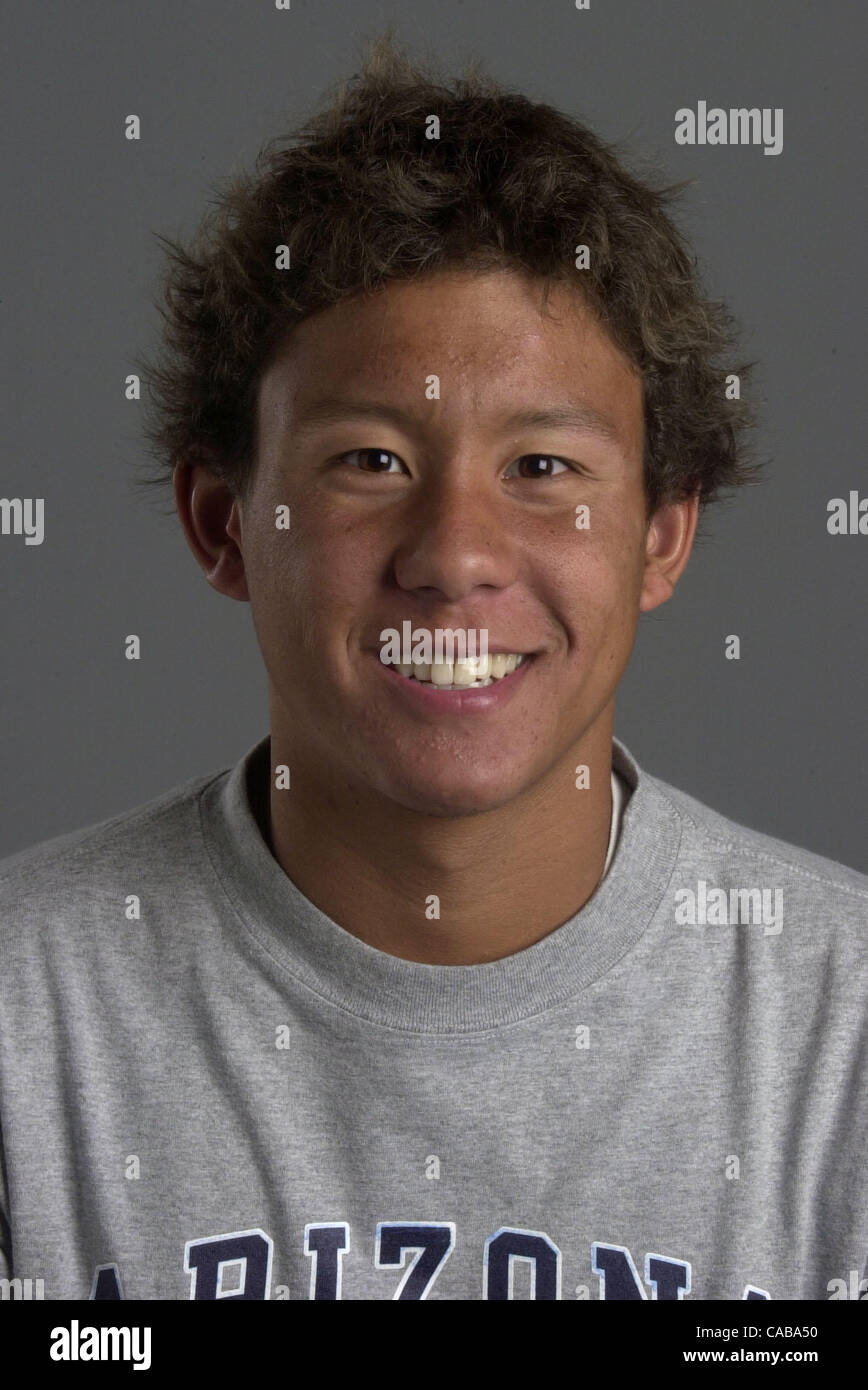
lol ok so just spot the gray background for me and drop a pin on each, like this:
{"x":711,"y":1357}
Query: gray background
{"x":775,"y":740}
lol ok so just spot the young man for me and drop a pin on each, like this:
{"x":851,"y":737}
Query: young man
{"x":436,"y":993}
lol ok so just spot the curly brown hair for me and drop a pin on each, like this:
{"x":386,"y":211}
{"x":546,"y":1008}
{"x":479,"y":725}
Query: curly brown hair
{"x":362,"y":197}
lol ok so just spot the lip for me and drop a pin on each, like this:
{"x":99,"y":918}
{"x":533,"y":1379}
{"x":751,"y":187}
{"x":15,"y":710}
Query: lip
{"x":428,"y":697}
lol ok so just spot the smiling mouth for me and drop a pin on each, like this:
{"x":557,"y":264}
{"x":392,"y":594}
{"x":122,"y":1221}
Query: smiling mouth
{"x":474,"y":674}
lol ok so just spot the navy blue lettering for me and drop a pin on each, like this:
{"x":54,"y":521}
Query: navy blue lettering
{"x":508,"y":1245}
{"x":233,"y":1266}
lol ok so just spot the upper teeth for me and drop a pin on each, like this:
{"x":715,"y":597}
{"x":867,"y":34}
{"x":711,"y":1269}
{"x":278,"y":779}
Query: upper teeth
{"x":481,"y":670}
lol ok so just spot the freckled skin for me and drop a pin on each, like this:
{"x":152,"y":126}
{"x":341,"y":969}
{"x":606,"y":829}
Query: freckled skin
{"x":390,"y":804}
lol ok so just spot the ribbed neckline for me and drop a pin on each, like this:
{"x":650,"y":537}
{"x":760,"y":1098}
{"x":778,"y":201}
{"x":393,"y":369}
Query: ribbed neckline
{"x":395,"y":993}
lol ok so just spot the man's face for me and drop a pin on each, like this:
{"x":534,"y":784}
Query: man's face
{"x":447,"y":513}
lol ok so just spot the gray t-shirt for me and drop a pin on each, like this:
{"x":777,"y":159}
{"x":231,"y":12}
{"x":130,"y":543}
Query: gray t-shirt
{"x":210,"y":1089}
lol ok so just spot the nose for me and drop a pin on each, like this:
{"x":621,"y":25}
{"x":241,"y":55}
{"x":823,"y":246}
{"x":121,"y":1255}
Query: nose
{"x":457,"y":535}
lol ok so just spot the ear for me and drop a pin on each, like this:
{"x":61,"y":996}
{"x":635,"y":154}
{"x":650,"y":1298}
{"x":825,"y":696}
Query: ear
{"x":667,"y":550}
{"x":211,"y":517}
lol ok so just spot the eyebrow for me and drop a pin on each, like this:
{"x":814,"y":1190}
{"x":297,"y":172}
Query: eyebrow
{"x":333,"y":409}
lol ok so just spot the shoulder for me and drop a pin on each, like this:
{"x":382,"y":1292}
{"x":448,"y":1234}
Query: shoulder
{"x":71,"y":868}
{"x":709,"y":834}
{"x":779,"y":931}
{"x":809,"y":910}
{"x":806,"y":915}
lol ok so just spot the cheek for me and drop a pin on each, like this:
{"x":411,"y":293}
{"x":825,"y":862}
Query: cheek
{"x":308,"y":596}
{"x":592,"y":580}
{"x":328,"y":554}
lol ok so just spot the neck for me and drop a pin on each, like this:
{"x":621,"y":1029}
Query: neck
{"x":438,"y":890}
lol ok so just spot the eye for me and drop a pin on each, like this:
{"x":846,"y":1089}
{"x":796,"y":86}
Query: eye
{"x":543,"y":459}
{"x":378,"y":458}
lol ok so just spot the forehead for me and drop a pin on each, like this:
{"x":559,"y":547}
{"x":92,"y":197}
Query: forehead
{"x":493,"y":340}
